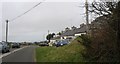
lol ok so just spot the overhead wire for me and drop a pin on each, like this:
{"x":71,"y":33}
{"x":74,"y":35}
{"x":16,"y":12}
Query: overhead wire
{"x":26,"y":11}
{"x":31,"y":9}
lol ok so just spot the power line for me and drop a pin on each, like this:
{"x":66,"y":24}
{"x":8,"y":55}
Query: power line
{"x":26,"y":11}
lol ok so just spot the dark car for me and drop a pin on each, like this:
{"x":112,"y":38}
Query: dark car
{"x":15,"y":45}
{"x":43,"y":44}
{"x":4,"y":47}
{"x":61,"y":43}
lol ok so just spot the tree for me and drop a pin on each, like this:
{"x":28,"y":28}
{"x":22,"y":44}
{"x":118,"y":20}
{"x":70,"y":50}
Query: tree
{"x":103,"y":8}
{"x":109,"y":9}
{"x":59,"y":33}
{"x":53,"y":35}
{"x":106,"y":44}
{"x":49,"y":36}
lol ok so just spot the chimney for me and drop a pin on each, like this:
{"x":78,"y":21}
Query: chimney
{"x":81,"y":25}
{"x":73,"y":28}
{"x":66,"y":29}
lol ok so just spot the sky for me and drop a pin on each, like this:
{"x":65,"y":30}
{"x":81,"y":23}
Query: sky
{"x":54,"y":15}
{"x":0,"y":21}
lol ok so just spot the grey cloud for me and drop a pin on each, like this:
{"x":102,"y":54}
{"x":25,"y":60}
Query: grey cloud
{"x":33,"y":26}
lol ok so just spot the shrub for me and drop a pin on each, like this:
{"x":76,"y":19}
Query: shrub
{"x":86,"y":40}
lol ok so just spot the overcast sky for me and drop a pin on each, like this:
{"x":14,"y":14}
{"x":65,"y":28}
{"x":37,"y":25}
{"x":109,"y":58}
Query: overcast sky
{"x":34,"y":26}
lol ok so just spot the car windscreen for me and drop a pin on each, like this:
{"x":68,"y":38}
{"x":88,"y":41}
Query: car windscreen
{"x":4,"y":43}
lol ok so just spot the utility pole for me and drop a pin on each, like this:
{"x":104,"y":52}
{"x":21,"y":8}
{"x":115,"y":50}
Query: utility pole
{"x":6,"y":31}
{"x":87,"y":16}
{"x":48,"y":32}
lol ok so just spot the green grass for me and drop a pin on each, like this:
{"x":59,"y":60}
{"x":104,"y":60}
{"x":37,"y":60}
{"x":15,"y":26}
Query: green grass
{"x":67,"y":53}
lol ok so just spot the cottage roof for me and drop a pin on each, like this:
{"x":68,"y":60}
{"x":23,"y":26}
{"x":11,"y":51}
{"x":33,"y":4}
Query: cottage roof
{"x":81,"y":29}
{"x":76,"y":31}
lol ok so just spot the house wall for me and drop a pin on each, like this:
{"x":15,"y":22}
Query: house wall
{"x":51,"y":42}
{"x":79,"y":34}
{"x":67,"y":37}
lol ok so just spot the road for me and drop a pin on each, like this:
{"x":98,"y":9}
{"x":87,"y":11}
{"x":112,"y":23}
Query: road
{"x":24,"y":55}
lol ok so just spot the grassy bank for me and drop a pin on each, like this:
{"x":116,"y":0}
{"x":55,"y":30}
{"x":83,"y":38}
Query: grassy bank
{"x":67,"y":53}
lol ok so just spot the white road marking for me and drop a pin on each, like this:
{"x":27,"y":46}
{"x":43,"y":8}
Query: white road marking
{"x":6,"y":54}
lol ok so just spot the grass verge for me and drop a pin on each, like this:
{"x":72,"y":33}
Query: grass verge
{"x":68,"y":53}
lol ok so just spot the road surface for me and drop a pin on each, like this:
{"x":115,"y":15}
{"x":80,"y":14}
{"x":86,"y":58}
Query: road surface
{"x":24,"y":55}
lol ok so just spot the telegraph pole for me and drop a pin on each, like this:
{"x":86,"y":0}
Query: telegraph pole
{"x":6,"y":31}
{"x":48,"y":32}
{"x":87,"y":16}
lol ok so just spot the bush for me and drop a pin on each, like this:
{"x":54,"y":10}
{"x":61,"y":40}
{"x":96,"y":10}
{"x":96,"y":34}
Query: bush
{"x":86,"y":40}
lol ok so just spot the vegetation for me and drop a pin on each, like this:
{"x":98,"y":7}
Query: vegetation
{"x":59,"y":33}
{"x":85,"y":40}
{"x":101,"y":46}
{"x":49,"y":36}
{"x":68,"y":53}
{"x":105,"y":45}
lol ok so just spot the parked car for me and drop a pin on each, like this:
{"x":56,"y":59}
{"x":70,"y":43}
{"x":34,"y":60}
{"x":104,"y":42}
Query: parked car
{"x":43,"y":44}
{"x":1,"y":47}
{"x":61,"y":43}
{"x":4,"y":47}
{"x":15,"y":45}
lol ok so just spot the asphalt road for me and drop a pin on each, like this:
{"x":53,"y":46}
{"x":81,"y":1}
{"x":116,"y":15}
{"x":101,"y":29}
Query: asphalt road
{"x":24,"y":55}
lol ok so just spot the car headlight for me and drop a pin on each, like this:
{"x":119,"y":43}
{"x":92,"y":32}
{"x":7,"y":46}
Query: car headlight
{"x":61,"y":44}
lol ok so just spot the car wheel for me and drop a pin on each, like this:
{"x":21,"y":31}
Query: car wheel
{"x":8,"y":51}
{"x":4,"y":51}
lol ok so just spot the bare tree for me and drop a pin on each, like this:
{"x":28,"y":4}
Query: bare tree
{"x":111,"y":12}
{"x":103,"y":8}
